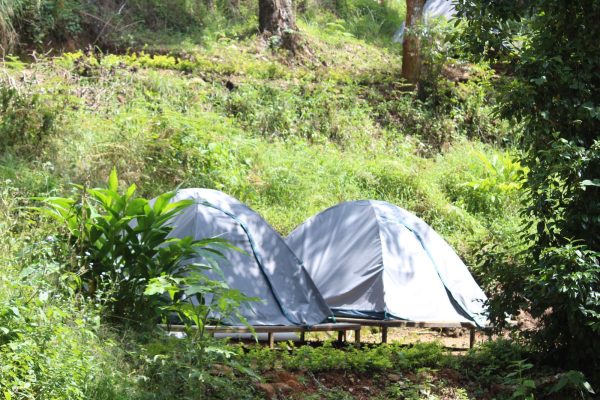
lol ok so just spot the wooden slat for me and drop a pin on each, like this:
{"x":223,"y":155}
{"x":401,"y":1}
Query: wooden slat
{"x":269,"y":328}
{"x":392,"y":323}
{"x":271,"y":338}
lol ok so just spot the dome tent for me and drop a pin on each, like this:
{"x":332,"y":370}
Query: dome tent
{"x":266,"y":268}
{"x":371,"y":259}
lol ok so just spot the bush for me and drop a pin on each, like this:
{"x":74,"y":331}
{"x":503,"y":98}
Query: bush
{"x":37,"y":22}
{"x":176,"y":15}
{"x":554,"y":93}
{"x":26,"y":121}
{"x":119,"y":244}
{"x":48,"y":346}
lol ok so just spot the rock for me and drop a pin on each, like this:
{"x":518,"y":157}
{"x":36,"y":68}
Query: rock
{"x":394,"y":377}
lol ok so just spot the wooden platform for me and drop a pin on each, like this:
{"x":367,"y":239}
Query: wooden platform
{"x":393,"y":323}
{"x":270,"y":330}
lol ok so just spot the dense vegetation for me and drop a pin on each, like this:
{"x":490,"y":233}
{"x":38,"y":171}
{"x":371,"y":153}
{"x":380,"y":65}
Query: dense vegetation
{"x":187,"y":94}
{"x":553,"y":90}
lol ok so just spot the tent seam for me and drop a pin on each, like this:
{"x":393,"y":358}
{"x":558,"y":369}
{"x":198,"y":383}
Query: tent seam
{"x":258,"y":261}
{"x":372,"y":206}
{"x":437,"y":270}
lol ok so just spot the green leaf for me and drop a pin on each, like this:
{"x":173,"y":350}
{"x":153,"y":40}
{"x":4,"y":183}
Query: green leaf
{"x":130,"y":191}
{"x":113,"y":183}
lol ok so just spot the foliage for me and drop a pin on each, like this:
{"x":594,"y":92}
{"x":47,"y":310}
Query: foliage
{"x":502,"y":180}
{"x":164,"y":366}
{"x":553,"y":91}
{"x":50,"y":345}
{"x":307,"y":112}
{"x":26,"y":121}
{"x":523,"y":386}
{"x":120,"y":242}
{"x":37,"y":22}
{"x":369,"y":20}
{"x":328,"y":358}
{"x":461,"y":90}
{"x":195,"y":299}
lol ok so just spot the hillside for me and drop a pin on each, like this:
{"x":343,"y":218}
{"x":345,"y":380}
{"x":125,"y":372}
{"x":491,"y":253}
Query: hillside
{"x":220,"y":108}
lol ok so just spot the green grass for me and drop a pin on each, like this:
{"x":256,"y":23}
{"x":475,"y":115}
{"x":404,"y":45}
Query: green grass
{"x":288,"y":141}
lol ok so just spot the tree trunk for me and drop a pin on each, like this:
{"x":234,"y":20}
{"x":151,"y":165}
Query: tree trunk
{"x":276,"y":17}
{"x":411,"y":60}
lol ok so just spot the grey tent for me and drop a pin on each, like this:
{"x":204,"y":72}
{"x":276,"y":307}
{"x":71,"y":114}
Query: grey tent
{"x":371,"y":259}
{"x":268,"y":269}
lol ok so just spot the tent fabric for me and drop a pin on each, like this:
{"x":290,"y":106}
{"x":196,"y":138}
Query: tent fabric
{"x":372,"y":259}
{"x":431,"y":10}
{"x":266,"y":268}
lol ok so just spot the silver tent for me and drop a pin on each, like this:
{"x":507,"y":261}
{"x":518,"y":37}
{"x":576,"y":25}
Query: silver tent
{"x":268,"y":269}
{"x":371,"y":259}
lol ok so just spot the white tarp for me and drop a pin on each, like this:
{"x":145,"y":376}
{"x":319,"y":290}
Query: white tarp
{"x":268,"y":269}
{"x":373,"y":259}
{"x":432,"y":9}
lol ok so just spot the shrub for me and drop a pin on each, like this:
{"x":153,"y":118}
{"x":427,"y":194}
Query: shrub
{"x":48,"y":346}
{"x":35,"y":22}
{"x":26,"y":121}
{"x":553,"y":91}
{"x":119,"y":243}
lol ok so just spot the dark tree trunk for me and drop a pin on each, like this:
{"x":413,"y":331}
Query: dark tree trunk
{"x":411,"y":60}
{"x":276,"y":17}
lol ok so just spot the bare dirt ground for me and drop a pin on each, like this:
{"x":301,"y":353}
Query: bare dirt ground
{"x":452,"y":338}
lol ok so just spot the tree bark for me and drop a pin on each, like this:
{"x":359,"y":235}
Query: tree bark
{"x":276,"y":17}
{"x":411,"y":59}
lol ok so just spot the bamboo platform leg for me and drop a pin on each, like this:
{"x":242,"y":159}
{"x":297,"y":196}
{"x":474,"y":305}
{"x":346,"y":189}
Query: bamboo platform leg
{"x":271,"y":338}
{"x":357,"y":337}
{"x":303,"y":337}
{"x":384,"y":332}
{"x":471,"y":338}
{"x":341,"y":336}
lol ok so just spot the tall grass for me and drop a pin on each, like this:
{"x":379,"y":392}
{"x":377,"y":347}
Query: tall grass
{"x":9,"y":13}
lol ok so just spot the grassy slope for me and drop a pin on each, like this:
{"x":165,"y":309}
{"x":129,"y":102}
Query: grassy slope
{"x":289,"y":140}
